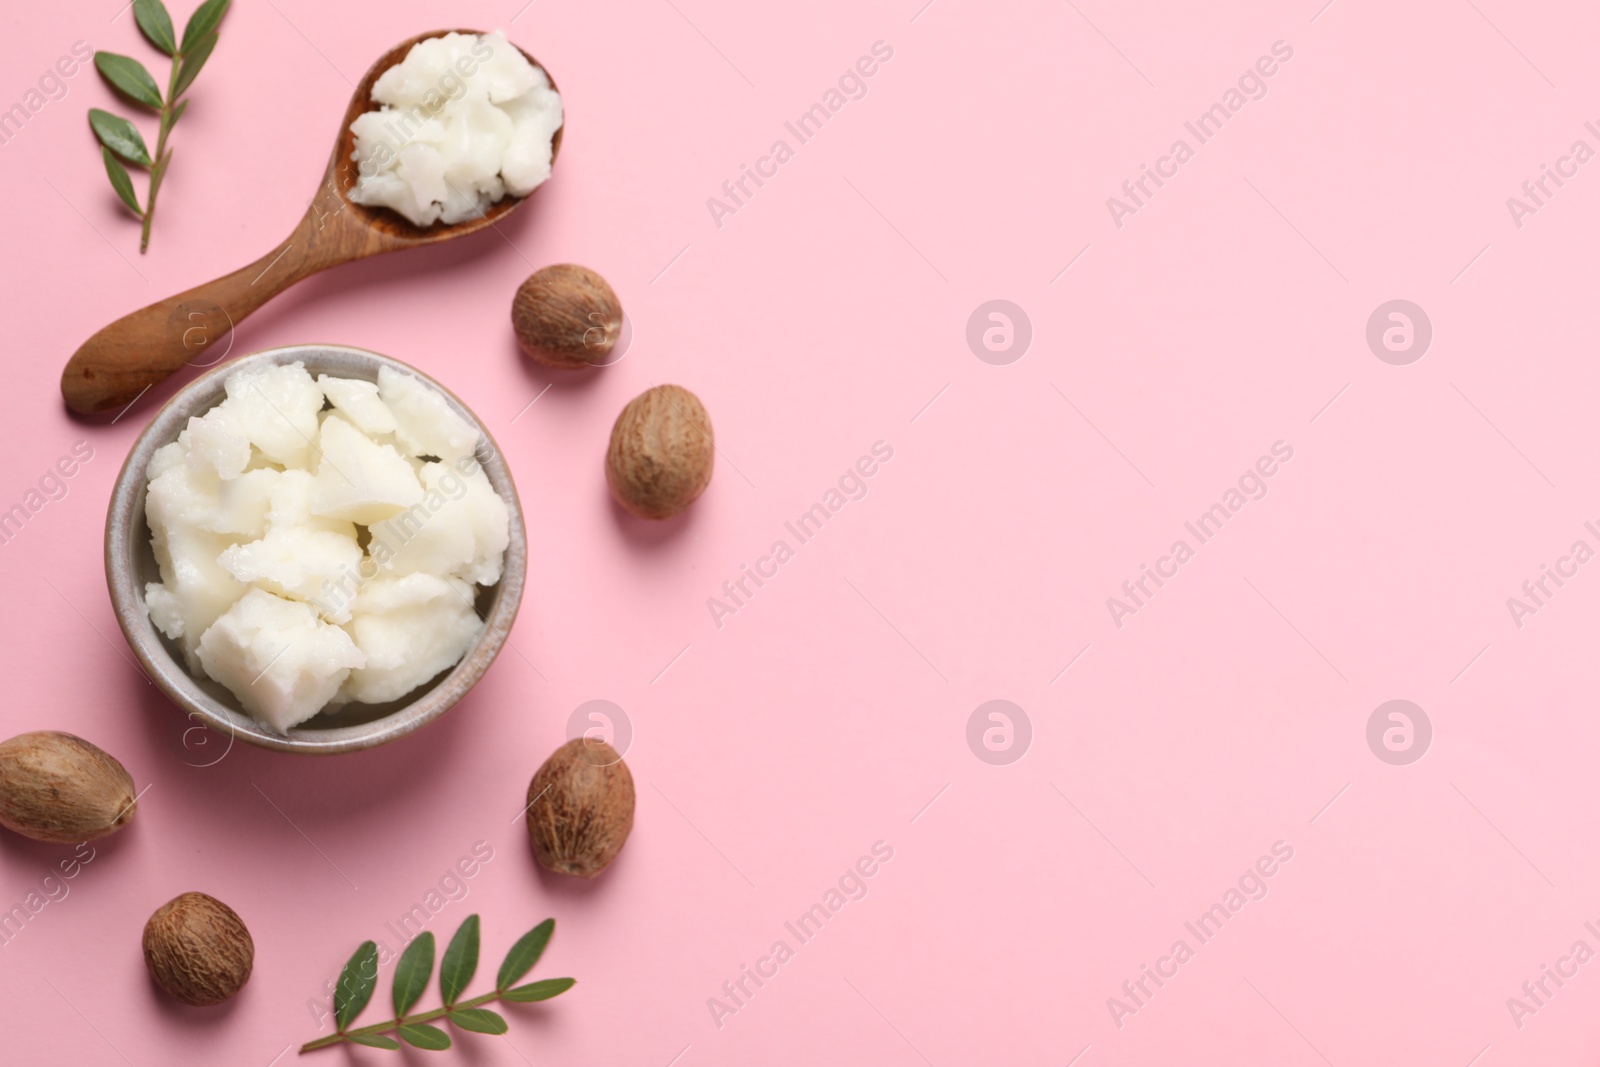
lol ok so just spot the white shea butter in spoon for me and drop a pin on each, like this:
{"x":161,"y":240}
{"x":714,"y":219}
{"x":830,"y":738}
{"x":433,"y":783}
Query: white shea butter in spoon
{"x":465,"y":120}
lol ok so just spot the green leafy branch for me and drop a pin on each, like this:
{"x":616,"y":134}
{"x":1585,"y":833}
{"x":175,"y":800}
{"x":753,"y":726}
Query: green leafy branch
{"x":119,"y":138}
{"x":360,"y":977}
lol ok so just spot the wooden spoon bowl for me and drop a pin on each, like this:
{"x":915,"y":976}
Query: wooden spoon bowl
{"x":117,"y":365}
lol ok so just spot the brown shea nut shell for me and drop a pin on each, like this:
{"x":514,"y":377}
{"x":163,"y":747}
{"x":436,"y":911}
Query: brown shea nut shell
{"x":580,"y":808}
{"x":566,"y":316}
{"x":198,"y":949}
{"x":60,"y":788}
{"x":661,"y":453}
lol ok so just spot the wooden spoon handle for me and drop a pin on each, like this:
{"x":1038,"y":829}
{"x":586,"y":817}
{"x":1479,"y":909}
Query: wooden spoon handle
{"x":115,"y":366}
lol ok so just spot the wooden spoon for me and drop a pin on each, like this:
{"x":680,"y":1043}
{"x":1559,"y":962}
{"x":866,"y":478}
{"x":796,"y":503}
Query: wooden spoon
{"x":115,"y":366}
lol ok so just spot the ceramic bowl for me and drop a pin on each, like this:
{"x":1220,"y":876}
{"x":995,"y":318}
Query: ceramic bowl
{"x":131,"y":563}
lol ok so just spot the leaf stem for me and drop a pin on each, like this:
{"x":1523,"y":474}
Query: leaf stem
{"x":408,"y":1020}
{"x":159,"y":169}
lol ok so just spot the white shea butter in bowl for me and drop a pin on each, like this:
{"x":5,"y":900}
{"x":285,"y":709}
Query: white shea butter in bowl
{"x":465,"y":120}
{"x":315,"y":548}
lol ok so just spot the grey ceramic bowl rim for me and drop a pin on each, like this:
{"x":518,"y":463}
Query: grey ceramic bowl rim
{"x":125,"y":522}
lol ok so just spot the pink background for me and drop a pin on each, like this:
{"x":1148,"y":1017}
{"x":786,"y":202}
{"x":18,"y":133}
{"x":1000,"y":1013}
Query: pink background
{"x":1228,"y":714}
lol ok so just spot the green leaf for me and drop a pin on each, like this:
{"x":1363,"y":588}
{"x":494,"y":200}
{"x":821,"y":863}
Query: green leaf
{"x":524,"y":954}
{"x":121,"y":182}
{"x":129,"y":76}
{"x":373,"y":1040}
{"x":421,"y":1035}
{"x":479,"y":1021}
{"x":119,"y":135}
{"x":356,"y":983}
{"x":411,"y":974}
{"x":202,"y":22}
{"x":550,"y":987}
{"x":156,"y":24}
{"x":177,"y":113}
{"x":460,"y":961}
{"x":189,"y":66}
